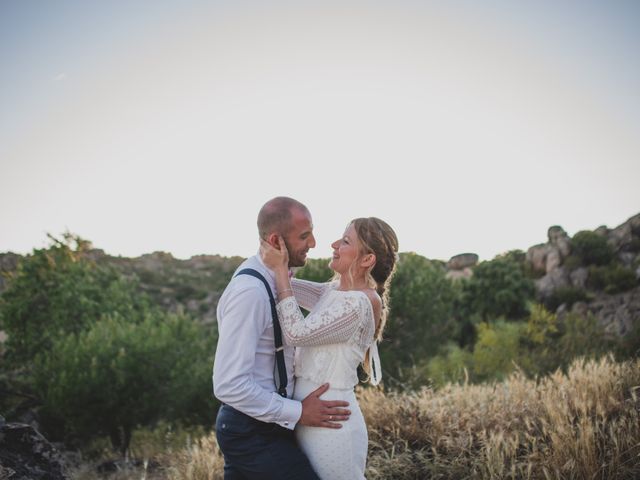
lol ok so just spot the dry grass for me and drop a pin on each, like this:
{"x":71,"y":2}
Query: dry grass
{"x":582,"y":425}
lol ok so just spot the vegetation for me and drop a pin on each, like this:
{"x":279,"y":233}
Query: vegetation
{"x":566,"y":296}
{"x":611,"y":278}
{"x":591,"y":248}
{"x":92,"y":354}
{"x":498,"y":288}
{"x":582,"y":424}
{"x":421,"y":318}
{"x":111,"y":350}
{"x":59,"y":291}
{"x":119,"y":374}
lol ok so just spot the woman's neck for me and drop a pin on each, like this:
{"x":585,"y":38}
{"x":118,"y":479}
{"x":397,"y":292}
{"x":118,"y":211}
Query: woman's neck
{"x":356,"y":284}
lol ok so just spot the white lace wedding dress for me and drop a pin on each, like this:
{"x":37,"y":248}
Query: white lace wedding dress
{"x":334,"y":338}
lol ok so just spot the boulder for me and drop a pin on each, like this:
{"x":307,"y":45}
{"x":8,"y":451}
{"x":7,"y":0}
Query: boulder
{"x":26,"y":455}
{"x":619,"y":314}
{"x":546,"y":285}
{"x":559,"y":239}
{"x":458,"y":274}
{"x":553,"y":260}
{"x":579,"y":277}
{"x":621,"y":238}
{"x":537,"y":257}
{"x":462,"y":261}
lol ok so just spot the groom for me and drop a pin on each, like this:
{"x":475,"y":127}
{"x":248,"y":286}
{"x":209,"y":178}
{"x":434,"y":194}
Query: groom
{"x":255,"y":424}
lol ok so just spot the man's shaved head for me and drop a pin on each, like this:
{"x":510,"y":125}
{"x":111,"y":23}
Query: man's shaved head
{"x":276,"y":216}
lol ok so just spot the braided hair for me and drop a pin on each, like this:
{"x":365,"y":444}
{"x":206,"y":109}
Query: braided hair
{"x":378,"y":238}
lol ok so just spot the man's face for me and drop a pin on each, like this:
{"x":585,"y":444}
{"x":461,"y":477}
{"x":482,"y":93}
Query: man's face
{"x":300,"y":238}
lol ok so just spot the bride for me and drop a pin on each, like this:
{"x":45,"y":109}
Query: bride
{"x":345,"y":322}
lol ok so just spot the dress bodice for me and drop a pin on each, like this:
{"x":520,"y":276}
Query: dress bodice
{"x":335,"y":335}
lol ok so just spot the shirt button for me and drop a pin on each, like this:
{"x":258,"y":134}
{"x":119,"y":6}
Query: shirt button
{"x":286,"y":424}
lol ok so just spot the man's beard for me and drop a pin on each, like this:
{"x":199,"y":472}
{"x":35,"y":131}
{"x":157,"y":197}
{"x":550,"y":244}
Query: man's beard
{"x":297,"y":259}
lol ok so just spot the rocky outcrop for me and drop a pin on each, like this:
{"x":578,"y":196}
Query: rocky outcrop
{"x":460,"y":266}
{"x":558,"y":278}
{"x":618,"y":314}
{"x":8,"y":264}
{"x":624,"y":238}
{"x":546,"y":257}
{"x":26,"y":455}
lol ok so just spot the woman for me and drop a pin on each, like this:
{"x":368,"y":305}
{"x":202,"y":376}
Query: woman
{"x":346,"y":320}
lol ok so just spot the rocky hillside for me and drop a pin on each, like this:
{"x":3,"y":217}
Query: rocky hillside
{"x":593,"y":271}
{"x":192,"y":285}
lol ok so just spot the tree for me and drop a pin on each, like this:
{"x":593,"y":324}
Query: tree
{"x":498,"y":288}
{"x":591,"y":248}
{"x":59,"y":291}
{"x":94,"y":354}
{"x":497,"y":348}
{"x":116,"y":375}
{"x":421,"y":315}
{"x":316,"y":270}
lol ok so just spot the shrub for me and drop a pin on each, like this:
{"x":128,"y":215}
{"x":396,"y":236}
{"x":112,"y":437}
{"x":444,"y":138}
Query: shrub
{"x":59,"y":291}
{"x":591,"y":248}
{"x":451,"y":366}
{"x":567,"y":296}
{"x":498,"y":288}
{"x":496,"y":350}
{"x":551,"y":342}
{"x":421,"y":315}
{"x":611,"y":278}
{"x":117,"y":375}
{"x":316,"y":270}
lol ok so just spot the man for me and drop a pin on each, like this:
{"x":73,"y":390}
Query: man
{"x":255,"y":424}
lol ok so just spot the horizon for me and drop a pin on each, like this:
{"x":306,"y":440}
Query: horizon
{"x":310,"y":255}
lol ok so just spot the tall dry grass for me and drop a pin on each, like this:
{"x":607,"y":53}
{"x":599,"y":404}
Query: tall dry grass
{"x":582,"y":425}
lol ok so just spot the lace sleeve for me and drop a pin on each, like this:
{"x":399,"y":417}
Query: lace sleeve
{"x":308,"y":293}
{"x":335,"y":323}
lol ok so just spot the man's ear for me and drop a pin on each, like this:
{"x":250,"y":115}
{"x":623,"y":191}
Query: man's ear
{"x":272,"y":239}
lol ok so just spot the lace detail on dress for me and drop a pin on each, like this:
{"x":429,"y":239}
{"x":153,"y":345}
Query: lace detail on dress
{"x":337,"y":321}
{"x":308,"y":293}
{"x":334,"y":336}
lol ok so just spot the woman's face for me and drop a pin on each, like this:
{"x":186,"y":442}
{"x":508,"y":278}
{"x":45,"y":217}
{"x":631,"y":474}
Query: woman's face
{"x":345,"y":251}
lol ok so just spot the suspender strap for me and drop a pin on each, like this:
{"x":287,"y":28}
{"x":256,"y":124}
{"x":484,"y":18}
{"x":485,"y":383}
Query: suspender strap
{"x":277,"y":332}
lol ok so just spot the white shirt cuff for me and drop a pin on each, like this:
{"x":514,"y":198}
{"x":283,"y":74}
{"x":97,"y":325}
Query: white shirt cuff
{"x":290,"y":413}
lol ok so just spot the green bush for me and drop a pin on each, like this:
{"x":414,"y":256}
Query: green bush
{"x":496,"y":350}
{"x":421,"y":316}
{"x":611,"y":278}
{"x":316,"y":270}
{"x":118,"y":375}
{"x":498,"y":288}
{"x":451,"y":366}
{"x":591,"y":248}
{"x":59,"y":291}
{"x":550,"y":342}
{"x":572,"y":262}
{"x":567,"y":296}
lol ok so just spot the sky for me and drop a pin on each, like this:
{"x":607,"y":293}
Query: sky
{"x":165,"y":125}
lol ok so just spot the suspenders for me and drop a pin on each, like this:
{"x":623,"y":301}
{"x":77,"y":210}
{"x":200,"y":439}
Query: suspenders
{"x":277,"y":332}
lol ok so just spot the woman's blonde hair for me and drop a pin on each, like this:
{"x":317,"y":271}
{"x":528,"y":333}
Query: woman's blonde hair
{"x":377,"y":237}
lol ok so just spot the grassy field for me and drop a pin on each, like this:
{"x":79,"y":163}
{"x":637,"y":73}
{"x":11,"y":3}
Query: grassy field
{"x":584,"y":424}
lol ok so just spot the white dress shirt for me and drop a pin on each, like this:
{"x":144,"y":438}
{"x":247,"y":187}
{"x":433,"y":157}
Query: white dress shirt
{"x":244,"y":368}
